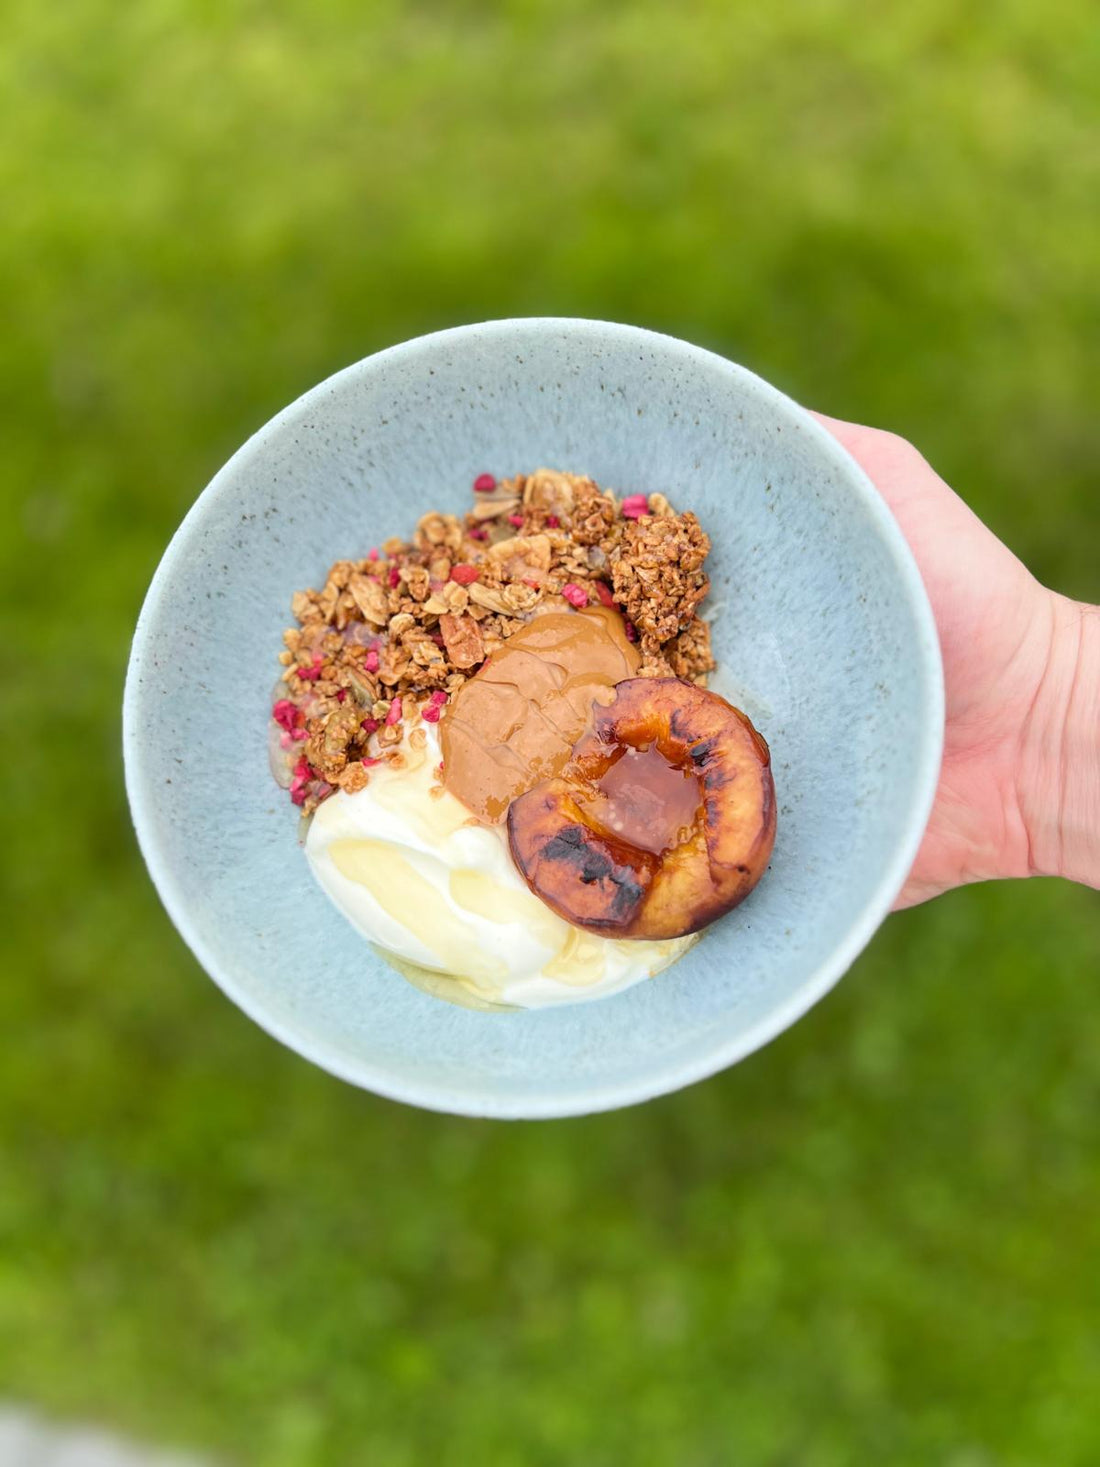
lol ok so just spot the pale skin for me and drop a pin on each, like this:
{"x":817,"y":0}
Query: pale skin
{"x":1019,"y":790}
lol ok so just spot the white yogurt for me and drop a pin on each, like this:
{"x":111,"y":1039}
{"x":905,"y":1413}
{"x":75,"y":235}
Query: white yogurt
{"x":423,"y":881}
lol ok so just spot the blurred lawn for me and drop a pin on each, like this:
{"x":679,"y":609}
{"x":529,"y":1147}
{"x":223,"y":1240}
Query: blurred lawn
{"x":876,"y":1242}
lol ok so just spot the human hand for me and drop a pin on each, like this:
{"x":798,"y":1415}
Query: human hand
{"x":1019,"y":790}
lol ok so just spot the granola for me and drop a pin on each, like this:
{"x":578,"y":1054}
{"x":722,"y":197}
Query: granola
{"x":389,"y":638}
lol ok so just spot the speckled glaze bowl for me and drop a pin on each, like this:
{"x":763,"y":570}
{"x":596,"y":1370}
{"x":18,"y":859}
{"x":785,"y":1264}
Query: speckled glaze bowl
{"x":822,"y":629}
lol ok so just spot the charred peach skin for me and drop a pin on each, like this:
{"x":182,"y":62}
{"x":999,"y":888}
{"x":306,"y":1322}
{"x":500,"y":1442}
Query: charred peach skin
{"x":663,"y":819}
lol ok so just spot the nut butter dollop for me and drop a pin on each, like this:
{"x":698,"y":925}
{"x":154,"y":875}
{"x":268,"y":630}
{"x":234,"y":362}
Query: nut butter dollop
{"x":515,"y":722}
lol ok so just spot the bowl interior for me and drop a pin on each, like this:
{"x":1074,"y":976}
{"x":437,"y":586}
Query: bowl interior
{"x":821,"y":627}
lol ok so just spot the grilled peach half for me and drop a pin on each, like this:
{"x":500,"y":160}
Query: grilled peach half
{"x":663,"y":819}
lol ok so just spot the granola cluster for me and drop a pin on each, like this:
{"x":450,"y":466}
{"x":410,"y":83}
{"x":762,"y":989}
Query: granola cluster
{"x":388,"y":639}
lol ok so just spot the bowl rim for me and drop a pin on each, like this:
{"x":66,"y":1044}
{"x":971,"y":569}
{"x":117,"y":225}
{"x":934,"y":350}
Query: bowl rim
{"x":141,"y":788}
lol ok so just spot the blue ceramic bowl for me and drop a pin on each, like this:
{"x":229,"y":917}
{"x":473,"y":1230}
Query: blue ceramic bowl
{"x":823,"y":631}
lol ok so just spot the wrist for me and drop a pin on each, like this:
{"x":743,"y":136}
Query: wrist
{"x":1059,"y":769}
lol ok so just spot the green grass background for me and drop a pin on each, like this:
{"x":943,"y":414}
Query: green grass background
{"x":875,"y":1242}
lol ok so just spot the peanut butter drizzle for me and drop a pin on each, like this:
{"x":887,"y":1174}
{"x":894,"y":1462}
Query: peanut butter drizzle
{"x":515,"y":722}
